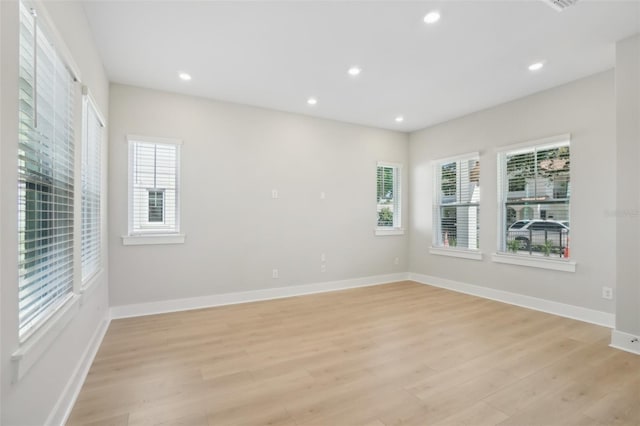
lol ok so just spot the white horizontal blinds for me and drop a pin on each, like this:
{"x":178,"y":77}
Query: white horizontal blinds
{"x":388,"y":196}
{"x":535,"y":184}
{"x":45,"y":177}
{"x":154,"y":191}
{"x":91,"y":190}
{"x":456,"y":210}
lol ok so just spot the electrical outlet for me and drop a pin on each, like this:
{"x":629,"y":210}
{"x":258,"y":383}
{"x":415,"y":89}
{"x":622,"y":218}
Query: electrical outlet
{"x":323,"y":257}
{"x":607,"y":293}
{"x":323,"y":268}
{"x":396,"y":261}
{"x":323,"y":195}
{"x":274,"y":273}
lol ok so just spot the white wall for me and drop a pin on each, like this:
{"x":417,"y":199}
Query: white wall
{"x":628,"y":188}
{"x":232,"y":158}
{"x":47,"y":388}
{"x":584,"y":108}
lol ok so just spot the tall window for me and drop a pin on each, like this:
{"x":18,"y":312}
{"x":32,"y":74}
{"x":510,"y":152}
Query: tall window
{"x":534,"y":188}
{"x":45,"y":177}
{"x":154,"y":185}
{"x":388,"y":196}
{"x":91,"y":189}
{"x":457,"y":202}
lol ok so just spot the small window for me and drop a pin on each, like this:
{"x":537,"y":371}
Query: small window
{"x":457,"y":202}
{"x":388,"y":195}
{"x":154,"y":196}
{"x":534,"y":183}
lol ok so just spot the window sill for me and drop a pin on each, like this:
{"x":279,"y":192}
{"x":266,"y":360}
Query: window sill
{"x":142,"y":239}
{"x":457,"y":252}
{"x":39,"y":341}
{"x":535,"y":262}
{"x":381,"y":232}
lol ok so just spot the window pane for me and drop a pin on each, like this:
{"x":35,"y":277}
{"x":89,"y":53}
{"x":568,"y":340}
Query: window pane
{"x":456,"y":219}
{"x":536,"y":202}
{"x":388,"y":196}
{"x":45,"y":177}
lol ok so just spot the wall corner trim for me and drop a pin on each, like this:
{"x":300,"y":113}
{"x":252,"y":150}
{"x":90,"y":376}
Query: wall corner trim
{"x":61,"y":411}
{"x":625,"y":341}
{"x":200,"y":302}
{"x":561,"y":309}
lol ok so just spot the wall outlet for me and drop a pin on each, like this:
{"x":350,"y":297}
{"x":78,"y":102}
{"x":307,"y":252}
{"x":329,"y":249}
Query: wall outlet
{"x":323,"y":268}
{"x":323,"y":257}
{"x":323,"y":195}
{"x":607,"y":293}
{"x":274,"y":193}
{"x":396,"y":261}
{"x":274,"y":273}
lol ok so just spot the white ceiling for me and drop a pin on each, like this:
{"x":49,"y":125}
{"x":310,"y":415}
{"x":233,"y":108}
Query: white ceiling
{"x":277,"y":54}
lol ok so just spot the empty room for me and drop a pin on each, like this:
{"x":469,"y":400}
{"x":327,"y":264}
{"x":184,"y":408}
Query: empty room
{"x":319,"y":212}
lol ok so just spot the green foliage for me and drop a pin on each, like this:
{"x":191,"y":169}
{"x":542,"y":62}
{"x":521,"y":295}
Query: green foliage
{"x":385,"y":184}
{"x":513,"y":246}
{"x":385,"y":217}
{"x":448,"y":179}
{"x":546,"y":247}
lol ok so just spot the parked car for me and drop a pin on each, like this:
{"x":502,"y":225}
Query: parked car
{"x":536,"y":232}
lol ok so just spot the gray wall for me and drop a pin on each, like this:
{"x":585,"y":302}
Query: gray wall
{"x":232,"y":158}
{"x":628,"y":188}
{"x":584,"y":108}
{"x":32,"y":399}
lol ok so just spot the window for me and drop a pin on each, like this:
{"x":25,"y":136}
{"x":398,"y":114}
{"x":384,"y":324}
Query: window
{"x":388,"y":195}
{"x":154,"y":186}
{"x":91,"y":256}
{"x":534,"y":195}
{"x":45,"y":178}
{"x":457,"y":202}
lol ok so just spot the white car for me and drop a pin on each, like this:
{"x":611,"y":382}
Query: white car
{"x":537,"y":231}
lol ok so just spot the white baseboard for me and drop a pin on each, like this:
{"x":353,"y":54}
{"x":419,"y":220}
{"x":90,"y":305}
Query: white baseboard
{"x":175,"y":305}
{"x":625,"y":341}
{"x":561,"y":309}
{"x":67,"y":399}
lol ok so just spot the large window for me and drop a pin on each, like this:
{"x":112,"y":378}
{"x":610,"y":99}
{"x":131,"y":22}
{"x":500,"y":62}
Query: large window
{"x":456,"y":202}
{"x":91,"y":256}
{"x":45,"y":177}
{"x":388,"y":196}
{"x":534,"y":193}
{"x":153,"y":185}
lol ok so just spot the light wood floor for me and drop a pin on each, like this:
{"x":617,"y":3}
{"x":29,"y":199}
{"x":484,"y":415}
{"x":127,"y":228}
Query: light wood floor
{"x":402,"y":353}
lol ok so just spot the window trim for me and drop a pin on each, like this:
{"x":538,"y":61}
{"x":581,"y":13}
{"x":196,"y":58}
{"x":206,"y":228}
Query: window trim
{"x":155,"y":235}
{"x":461,"y":252}
{"x":396,"y":228}
{"x":566,"y":265}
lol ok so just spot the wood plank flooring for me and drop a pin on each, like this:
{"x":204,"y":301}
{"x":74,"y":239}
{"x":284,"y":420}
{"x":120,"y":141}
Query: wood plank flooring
{"x":395,"y":354}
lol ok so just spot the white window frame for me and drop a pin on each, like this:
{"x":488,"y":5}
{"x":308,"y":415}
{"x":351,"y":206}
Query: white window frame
{"x":40,"y":327}
{"x":396,"y":228}
{"x":89,"y":104}
{"x":501,"y":255}
{"x":153,"y":234}
{"x":438,"y":247}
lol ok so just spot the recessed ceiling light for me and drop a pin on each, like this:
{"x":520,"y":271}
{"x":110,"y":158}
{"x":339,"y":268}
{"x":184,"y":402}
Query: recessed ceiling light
{"x":354,"y":71}
{"x":312,"y":101}
{"x":432,"y":17}
{"x":184,"y":76}
{"x":399,"y":119}
{"x":537,"y":66}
